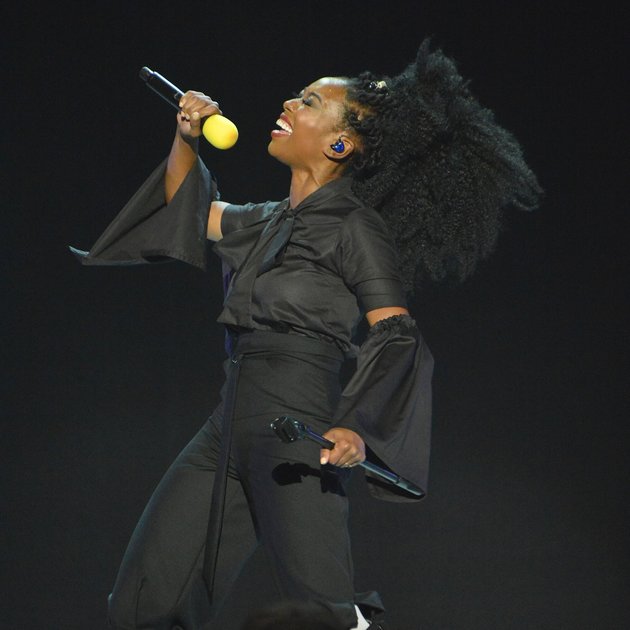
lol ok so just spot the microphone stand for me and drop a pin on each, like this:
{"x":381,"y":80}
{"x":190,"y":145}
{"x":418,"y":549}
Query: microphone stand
{"x":290,"y":429}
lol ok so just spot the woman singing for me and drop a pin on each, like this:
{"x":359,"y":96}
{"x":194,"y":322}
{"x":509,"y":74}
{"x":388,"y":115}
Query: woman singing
{"x":394,"y":182}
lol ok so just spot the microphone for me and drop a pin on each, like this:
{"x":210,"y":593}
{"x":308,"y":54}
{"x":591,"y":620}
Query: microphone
{"x":290,"y":429}
{"x":217,"y":130}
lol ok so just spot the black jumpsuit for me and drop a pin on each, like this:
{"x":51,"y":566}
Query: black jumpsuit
{"x":297,"y":283}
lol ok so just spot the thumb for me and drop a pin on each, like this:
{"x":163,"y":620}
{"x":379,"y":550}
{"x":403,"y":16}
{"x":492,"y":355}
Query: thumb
{"x":324,"y":453}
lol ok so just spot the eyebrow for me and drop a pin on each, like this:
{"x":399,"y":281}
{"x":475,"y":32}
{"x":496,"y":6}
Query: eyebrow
{"x":315,"y":94}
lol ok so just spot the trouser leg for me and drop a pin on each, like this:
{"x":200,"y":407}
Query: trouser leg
{"x":302,"y":516}
{"x":159,"y":584}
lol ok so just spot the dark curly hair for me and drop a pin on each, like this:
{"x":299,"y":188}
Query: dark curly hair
{"x":436,"y":165}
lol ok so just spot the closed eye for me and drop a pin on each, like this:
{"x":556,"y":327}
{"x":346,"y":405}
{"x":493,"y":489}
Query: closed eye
{"x":308,"y":100}
{"x":305,"y":101}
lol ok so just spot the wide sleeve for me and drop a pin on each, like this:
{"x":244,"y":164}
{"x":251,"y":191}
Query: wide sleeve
{"x":148,"y":229}
{"x":388,"y":403}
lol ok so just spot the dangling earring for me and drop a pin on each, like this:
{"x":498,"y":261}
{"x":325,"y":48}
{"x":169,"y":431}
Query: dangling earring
{"x":339,"y":146}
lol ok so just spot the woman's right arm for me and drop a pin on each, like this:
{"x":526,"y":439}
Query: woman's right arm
{"x":194,"y":106}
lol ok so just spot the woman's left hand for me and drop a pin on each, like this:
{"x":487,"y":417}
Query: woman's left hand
{"x":349,"y":448}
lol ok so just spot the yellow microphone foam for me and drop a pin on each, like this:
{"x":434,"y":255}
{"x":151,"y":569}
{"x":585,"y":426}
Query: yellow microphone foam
{"x":220,"y":132}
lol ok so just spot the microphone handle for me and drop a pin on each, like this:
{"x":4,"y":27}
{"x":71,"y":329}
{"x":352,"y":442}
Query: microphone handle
{"x":162,"y":87}
{"x":316,"y":437}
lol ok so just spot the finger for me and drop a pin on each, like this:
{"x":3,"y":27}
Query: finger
{"x":351,"y":457}
{"x":347,"y":460}
{"x":183,"y":123}
{"x":210,"y":110}
{"x":355,"y":461}
{"x":189,"y":96}
{"x":331,"y":456}
{"x":198,"y":101}
{"x":324,"y":455}
{"x":341,"y":454}
{"x":195,"y":120}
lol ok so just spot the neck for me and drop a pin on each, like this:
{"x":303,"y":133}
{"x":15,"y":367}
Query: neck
{"x":303,"y":183}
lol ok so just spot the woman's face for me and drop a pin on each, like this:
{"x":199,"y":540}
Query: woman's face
{"x":309,"y":124}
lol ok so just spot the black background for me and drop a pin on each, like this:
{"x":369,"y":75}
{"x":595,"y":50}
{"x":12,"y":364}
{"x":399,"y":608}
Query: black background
{"x":110,"y":371}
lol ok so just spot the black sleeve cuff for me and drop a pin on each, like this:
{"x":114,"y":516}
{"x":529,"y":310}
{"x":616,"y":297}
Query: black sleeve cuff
{"x":380,"y":293}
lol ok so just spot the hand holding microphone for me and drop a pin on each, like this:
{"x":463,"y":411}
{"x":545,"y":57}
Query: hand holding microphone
{"x":197,"y":109}
{"x":198,"y":113}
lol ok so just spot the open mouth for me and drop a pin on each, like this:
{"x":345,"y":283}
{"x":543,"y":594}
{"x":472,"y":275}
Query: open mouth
{"x":284,"y":125}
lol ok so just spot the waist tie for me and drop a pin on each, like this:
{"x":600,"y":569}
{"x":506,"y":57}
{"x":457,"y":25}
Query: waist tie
{"x":247,"y":344}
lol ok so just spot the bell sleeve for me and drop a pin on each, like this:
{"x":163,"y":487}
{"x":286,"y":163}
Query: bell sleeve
{"x":388,"y":403}
{"x":388,"y":399}
{"x":148,"y":229}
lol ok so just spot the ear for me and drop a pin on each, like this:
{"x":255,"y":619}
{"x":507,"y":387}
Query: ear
{"x":340,"y":148}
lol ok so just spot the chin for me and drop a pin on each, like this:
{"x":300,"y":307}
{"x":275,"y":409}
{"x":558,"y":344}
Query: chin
{"x":273,"y":151}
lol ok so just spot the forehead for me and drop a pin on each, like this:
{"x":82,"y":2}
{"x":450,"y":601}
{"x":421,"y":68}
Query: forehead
{"x":330,"y":87}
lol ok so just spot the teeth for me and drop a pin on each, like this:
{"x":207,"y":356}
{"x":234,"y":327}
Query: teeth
{"x":284,"y":125}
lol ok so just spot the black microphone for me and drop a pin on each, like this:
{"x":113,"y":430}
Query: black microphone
{"x":218,"y":130}
{"x":290,"y":429}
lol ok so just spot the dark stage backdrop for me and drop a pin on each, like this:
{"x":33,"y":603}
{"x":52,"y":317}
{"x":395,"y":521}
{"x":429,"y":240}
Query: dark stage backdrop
{"x":108,"y":372}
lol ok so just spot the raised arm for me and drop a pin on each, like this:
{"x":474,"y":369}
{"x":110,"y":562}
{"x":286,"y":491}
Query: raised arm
{"x":194,"y":107}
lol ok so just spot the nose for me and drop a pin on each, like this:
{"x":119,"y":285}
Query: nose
{"x":289,"y":104}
